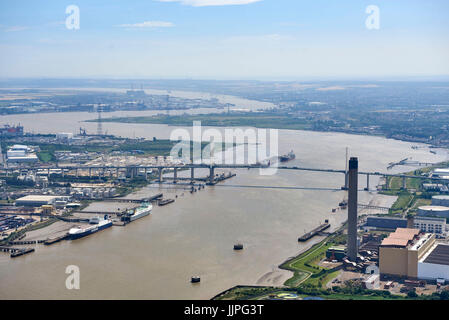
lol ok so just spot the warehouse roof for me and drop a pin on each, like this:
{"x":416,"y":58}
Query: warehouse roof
{"x":400,"y":237}
{"x":37,"y":198}
{"x":439,"y":255}
{"x":395,"y":242}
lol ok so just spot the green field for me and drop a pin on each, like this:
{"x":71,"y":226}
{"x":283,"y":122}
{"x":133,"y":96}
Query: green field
{"x":305,"y":266}
{"x":247,"y":119}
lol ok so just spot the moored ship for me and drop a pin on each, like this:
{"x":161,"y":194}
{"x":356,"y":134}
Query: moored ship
{"x":97,"y":224}
{"x":140,"y":212}
{"x":287,"y":157}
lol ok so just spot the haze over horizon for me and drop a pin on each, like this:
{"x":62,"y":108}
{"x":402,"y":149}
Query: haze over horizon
{"x":225,"y":39}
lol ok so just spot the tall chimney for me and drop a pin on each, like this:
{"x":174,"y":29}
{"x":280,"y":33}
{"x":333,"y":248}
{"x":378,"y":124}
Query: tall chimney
{"x":352,"y":209}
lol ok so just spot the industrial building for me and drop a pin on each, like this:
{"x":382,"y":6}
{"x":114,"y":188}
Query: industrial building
{"x":388,"y":223}
{"x":434,"y":264}
{"x":435,"y":211}
{"x":336,"y":253}
{"x":430,"y":224}
{"x":441,"y":173}
{"x":21,"y":153}
{"x":64,"y":136}
{"x":440,"y":201}
{"x":400,"y":252}
{"x":36,"y":200}
{"x":413,"y":254}
{"x":436,"y":187}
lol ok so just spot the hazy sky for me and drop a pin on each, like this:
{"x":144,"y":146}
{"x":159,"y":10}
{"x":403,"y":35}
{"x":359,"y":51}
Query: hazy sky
{"x":224,"y":39}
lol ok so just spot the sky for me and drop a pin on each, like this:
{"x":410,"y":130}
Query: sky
{"x":224,"y":39}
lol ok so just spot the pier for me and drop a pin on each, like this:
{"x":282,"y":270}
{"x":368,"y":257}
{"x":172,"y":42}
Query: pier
{"x":314,"y":232}
{"x":21,"y":252}
{"x":25,"y":242}
{"x":54,"y":240}
{"x":164,"y":202}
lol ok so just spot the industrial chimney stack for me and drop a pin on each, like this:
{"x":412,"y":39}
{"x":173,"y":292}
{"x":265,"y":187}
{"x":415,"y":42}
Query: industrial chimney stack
{"x":352,"y":209}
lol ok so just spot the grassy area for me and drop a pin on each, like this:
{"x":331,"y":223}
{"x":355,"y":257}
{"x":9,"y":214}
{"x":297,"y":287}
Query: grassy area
{"x":305,"y":266}
{"x":403,"y":201}
{"x":246,"y":119}
{"x":46,"y":156}
{"x":246,"y":293}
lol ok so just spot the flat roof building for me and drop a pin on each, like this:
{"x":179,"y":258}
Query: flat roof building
{"x":430,"y":224}
{"x":36,"y":200}
{"x":434,"y":265}
{"x":400,"y":251}
{"x":390,"y":223}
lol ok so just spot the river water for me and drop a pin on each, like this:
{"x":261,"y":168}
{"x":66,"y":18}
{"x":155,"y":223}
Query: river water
{"x":154,"y":257}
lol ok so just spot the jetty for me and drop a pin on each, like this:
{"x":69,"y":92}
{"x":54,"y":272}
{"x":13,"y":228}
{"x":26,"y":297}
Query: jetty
{"x":21,"y":252}
{"x":51,"y":241}
{"x":314,"y":232}
{"x":164,"y":202}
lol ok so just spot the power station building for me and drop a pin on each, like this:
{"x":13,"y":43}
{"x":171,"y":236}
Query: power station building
{"x":434,"y":265}
{"x":386,"y":223}
{"x":430,"y":224}
{"x":413,"y":254}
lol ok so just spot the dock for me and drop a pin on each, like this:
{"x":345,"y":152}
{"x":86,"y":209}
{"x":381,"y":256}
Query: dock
{"x":21,"y":252}
{"x":54,"y":240}
{"x":25,"y":242}
{"x":148,"y":199}
{"x":164,"y":202}
{"x":314,"y":232}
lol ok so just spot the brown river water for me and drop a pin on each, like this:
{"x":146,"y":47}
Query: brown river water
{"x":154,"y":257}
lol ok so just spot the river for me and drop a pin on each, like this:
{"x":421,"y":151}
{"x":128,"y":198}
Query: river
{"x":154,"y":257}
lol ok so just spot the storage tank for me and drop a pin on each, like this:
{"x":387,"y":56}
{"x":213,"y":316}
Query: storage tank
{"x":438,"y":211}
{"x":440,"y":201}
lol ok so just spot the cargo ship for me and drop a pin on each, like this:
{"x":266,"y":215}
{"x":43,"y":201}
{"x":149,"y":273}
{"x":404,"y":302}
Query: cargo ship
{"x":97,"y":224}
{"x":137,"y":213}
{"x":287,"y":157}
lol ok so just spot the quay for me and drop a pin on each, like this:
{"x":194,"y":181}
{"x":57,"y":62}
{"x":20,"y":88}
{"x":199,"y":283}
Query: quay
{"x":314,"y":232}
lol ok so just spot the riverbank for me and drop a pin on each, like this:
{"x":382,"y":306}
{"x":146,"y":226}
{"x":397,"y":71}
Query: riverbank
{"x":265,"y":120}
{"x":303,"y":269}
